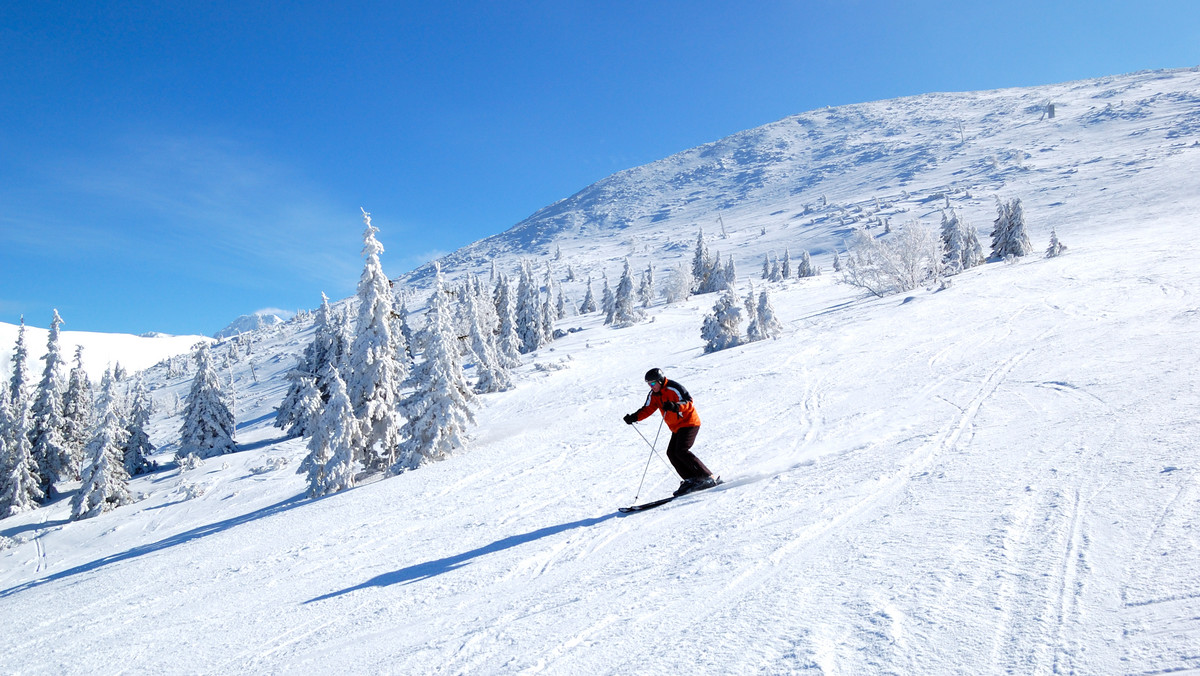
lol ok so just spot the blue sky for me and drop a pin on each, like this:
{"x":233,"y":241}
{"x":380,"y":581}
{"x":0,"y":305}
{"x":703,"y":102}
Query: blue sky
{"x":168,"y":166}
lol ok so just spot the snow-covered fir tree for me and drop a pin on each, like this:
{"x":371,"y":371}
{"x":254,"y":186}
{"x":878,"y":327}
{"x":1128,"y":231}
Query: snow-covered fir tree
{"x":329,"y":345}
{"x":376,"y":371}
{"x":608,"y":302}
{"x":138,"y":449}
{"x":490,"y":372}
{"x":331,"y":464}
{"x":785,"y":268}
{"x":1056,"y":247}
{"x":837,"y":262}
{"x":508,"y":343}
{"x":105,"y":482}
{"x":438,"y":410}
{"x":961,"y":241}
{"x":765,"y":324}
{"x":208,"y":425}
{"x":646,"y":287}
{"x":722,"y":327}
{"x":703,"y":266}
{"x":78,"y":412}
{"x":19,"y":485}
{"x":805,"y":267}
{"x":588,"y":305}
{"x":530,"y":332}
{"x":1009,"y":237}
{"x":50,"y":450}
{"x":625,"y":309}
{"x":18,"y":383}
{"x":728,"y":280}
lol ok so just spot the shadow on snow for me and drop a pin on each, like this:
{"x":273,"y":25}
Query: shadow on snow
{"x":429,"y":569}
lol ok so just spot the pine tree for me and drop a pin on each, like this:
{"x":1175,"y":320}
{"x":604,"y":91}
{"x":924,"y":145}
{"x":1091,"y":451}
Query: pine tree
{"x":608,"y":303}
{"x":805,"y":267}
{"x":376,"y":373}
{"x":588,"y":305}
{"x":507,"y":341}
{"x":961,"y":243}
{"x":138,"y":449}
{"x":329,"y":346}
{"x":625,"y":310}
{"x":20,"y":489}
{"x":1009,"y":237}
{"x":1056,"y":247}
{"x":785,"y":270}
{"x":18,"y":384}
{"x":765,"y":324}
{"x":837,"y":262}
{"x":50,"y":450}
{"x":331,"y":464}
{"x":208,"y":425}
{"x":722,"y":327}
{"x":646,"y":288}
{"x":702,"y":266}
{"x":438,"y":410}
{"x":105,"y":482}
{"x":530,"y":333}
{"x":491,"y":375}
{"x":78,"y":413}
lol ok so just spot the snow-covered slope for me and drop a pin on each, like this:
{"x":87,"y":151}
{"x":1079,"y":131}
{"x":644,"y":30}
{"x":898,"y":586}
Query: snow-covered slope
{"x":100,"y":350}
{"x":993,"y":478}
{"x":248,"y":323}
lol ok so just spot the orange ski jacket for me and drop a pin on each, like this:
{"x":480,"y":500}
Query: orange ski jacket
{"x":676,"y":420}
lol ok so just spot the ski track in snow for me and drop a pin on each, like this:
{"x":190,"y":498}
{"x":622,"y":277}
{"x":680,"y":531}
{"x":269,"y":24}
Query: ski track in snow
{"x":997,"y":477}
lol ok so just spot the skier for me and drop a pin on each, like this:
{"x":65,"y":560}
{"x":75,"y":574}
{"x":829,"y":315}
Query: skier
{"x":677,"y":408}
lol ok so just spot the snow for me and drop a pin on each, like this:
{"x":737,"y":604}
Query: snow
{"x":994,"y":477}
{"x":101,"y":351}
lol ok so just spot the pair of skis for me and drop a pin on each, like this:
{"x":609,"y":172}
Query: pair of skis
{"x":656,"y":503}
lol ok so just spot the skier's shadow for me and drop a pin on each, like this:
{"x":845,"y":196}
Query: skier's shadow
{"x":429,"y":569}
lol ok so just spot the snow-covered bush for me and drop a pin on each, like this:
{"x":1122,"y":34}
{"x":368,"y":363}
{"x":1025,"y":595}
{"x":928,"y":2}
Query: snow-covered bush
{"x":1056,"y":247}
{"x":910,"y":258}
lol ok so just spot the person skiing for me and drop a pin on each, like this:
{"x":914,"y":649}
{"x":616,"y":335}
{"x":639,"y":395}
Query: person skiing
{"x":679,"y":412}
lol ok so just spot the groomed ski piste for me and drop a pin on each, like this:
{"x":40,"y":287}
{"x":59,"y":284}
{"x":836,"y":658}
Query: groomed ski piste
{"x":995,"y":477}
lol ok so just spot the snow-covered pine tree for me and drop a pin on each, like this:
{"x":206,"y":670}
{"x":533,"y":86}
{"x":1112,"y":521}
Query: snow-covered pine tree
{"x":19,"y":491}
{"x":608,"y":302}
{"x":508,"y":343}
{"x":722,"y":327}
{"x":805,"y":267}
{"x":376,"y":373}
{"x":78,"y":412}
{"x":1009,"y":237}
{"x":490,"y":373}
{"x":646,"y":287}
{"x":766,"y":271}
{"x":625,"y":309}
{"x":50,"y":450}
{"x":963,"y":250}
{"x":18,"y":384}
{"x":105,"y":482}
{"x":837,"y":262}
{"x":1056,"y":247}
{"x":785,"y":268}
{"x":330,"y":345}
{"x":751,"y":303}
{"x":331,"y":463}
{"x":765,"y":324}
{"x":138,"y":449}
{"x":702,"y":266}
{"x":530,"y":334}
{"x":588,"y":305}
{"x":728,"y":280}
{"x":208,"y":425}
{"x":438,"y":410}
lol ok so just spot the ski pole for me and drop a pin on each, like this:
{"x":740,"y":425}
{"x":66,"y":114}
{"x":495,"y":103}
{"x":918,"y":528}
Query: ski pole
{"x":652,"y":448}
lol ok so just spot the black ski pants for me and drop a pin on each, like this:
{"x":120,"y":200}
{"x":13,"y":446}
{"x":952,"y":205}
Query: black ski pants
{"x":679,"y":452}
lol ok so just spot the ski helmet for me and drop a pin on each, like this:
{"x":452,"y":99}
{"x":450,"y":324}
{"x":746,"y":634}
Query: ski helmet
{"x":655,"y":376}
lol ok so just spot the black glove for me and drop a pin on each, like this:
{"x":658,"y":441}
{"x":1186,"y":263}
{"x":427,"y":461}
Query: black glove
{"x":630,"y":419}
{"x":672,"y":406}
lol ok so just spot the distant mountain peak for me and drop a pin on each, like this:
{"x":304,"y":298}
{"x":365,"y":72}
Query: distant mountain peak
{"x":248,"y":323}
